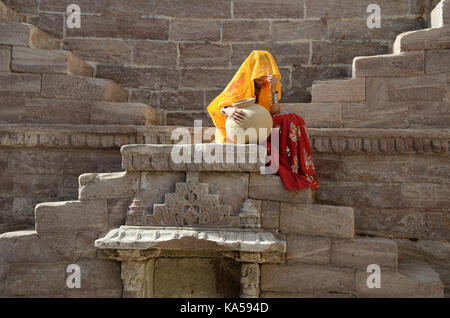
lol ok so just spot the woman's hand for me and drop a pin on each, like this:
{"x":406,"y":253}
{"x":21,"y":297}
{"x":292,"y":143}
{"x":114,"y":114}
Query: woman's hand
{"x":234,"y":113}
{"x":273,"y":80}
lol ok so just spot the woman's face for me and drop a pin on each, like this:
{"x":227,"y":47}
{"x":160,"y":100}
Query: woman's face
{"x":260,"y":80}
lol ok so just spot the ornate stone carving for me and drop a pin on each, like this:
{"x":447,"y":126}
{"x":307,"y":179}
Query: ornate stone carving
{"x":250,"y":280}
{"x":250,"y":214}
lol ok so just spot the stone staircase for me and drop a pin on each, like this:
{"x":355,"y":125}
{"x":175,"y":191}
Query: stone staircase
{"x":322,"y":256}
{"x":40,"y":83}
{"x":405,"y":89}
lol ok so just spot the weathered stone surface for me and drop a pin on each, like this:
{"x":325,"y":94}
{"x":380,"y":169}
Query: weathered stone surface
{"x":314,"y":219}
{"x":399,"y":64}
{"x":306,"y":295}
{"x":413,"y":280}
{"x":5,"y":58}
{"x":251,"y":9}
{"x":203,"y":78}
{"x":99,"y":6}
{"x":361,"y":252}
{"x":71,"y":216}
{"x":30,"y":60}
{"x":186,"y":119}
{"x":429,"y":196}
{"x":179,"y":100}
{"x":6,"y":14}
{"x":293,"y":30}
{"x":232,"y":188}
{"x":242,"y":31}
{"x":194,"y":30}
{"x":137,"y":278}
{"x":343,"y":52}
{"x":20,"y":84}
{"x":427,"y":39}
{"x":437,"y":61}
{"x":270,"y":187}
{"x":352,"y":8}
{"x":339,"y":91}
{"x":306,"y":278}
{"x":124,"y":114}
{"x":100,"y":50}
{"x":53,"y":24}
{"x":117,"y":209}
{"x":42,"y":279}
{"x":155,"y":53}
{"x":196,"y":277}
{"x":363,"y":194}
{"x":198,"y":54}
{"x":122,"y":26}
{"x":308,"y":249}
{"x":321,"y":115}
{"x":130,"y":76}
{"x":78,"y":87}
{"x":120,"y":185}
{"x":416,"y":88}
{"x":22,"y":34}
{"x":440,"y":15}
{"x":270,"y":215}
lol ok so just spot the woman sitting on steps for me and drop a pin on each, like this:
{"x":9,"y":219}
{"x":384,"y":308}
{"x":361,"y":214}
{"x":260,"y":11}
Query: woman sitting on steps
{"x":259,"y":77}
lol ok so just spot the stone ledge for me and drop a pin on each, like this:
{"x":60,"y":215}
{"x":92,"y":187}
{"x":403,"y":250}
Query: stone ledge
{"x":146,"y":237}
{"x":161,"y":157}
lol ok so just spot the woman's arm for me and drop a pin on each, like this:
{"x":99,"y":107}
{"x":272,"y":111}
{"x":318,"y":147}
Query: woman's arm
{"x":275,"y":107}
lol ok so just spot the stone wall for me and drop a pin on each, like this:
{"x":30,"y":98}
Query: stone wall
{"x":179,"y":55}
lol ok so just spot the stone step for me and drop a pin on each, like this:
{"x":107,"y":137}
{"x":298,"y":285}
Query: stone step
{"x":71,"y":216}
{"x":360,"y":252}
{"x":23,"y":34}
{"x":398,"y":64}
{"x":54,"y":111}
{"x":440,"y":15}
{"x":318,"y":115}
{"x":426,"y":39}
{"x":7,"y":15}
{"x":30,"y":60}
{"x":413,"y":280}
{"x":82,"y":88}
{"x":317,"y":220}
{"x":350,"y":91}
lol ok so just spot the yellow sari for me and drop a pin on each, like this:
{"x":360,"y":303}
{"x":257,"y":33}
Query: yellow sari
{"x":257,"y":64}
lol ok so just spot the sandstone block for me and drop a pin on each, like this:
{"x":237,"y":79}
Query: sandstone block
{"x":187,"y":100}
{"x":265,"y":9}
{"x":413,"y":281}
{"x":152,"y":53}
{"x":100,"y":50}
{"x":71,"y":216}
{"x":322,"y":115}
{"x":120,"y":185}
{"x":194,"y":30}
{"x":187,"y":118}
{"x":198,"y":54}
{"x":293,"y":30}
{"x":28,"y":60}
{"x":53,"y":24}
{"x":117,"y":209}
{"x":5,"y":58}
{"x":400,"y":64}
{"x":241,"y":31}
{"x":308,"y":249}
{"x":440,"y":15}
{"x":343,"y":52}
{"x":20,"y":84}
{"x":201,"y":78}
{"x":22,"y":34}
{"x":306,"y":295}
{"x":315,"y":219}
{"x":427,"y":39}
{"x":270,"y":215}
{"x":104,"y":113}
{"x":78,"y":87}
{"x":306,"y":278}
{"x":3,"y":274}
{"x":361,"y":252}
{"x":417,"y":88}
{"x":129,"y":76}
{"x":99,"y":6}
{"x":437,"y":61}
{"x":339,"y":91}
{"x":429,"y":196}
{"x":6,"y":14}
{"x":38,"y":280}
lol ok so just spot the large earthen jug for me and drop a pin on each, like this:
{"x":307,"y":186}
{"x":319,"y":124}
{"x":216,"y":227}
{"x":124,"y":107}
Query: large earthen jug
{"x":256,"y":126}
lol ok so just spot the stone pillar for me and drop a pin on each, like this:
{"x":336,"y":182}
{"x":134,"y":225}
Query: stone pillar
{"x":137,"y":277}
{"x":250,"y":278}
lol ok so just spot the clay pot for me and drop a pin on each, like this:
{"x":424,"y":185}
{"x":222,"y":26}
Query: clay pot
{"x":257,"y":117}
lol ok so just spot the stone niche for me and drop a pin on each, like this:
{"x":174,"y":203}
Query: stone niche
{"x":191,"y":244}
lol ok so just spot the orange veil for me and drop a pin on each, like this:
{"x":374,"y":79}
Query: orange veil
{"x":257,"y":64}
